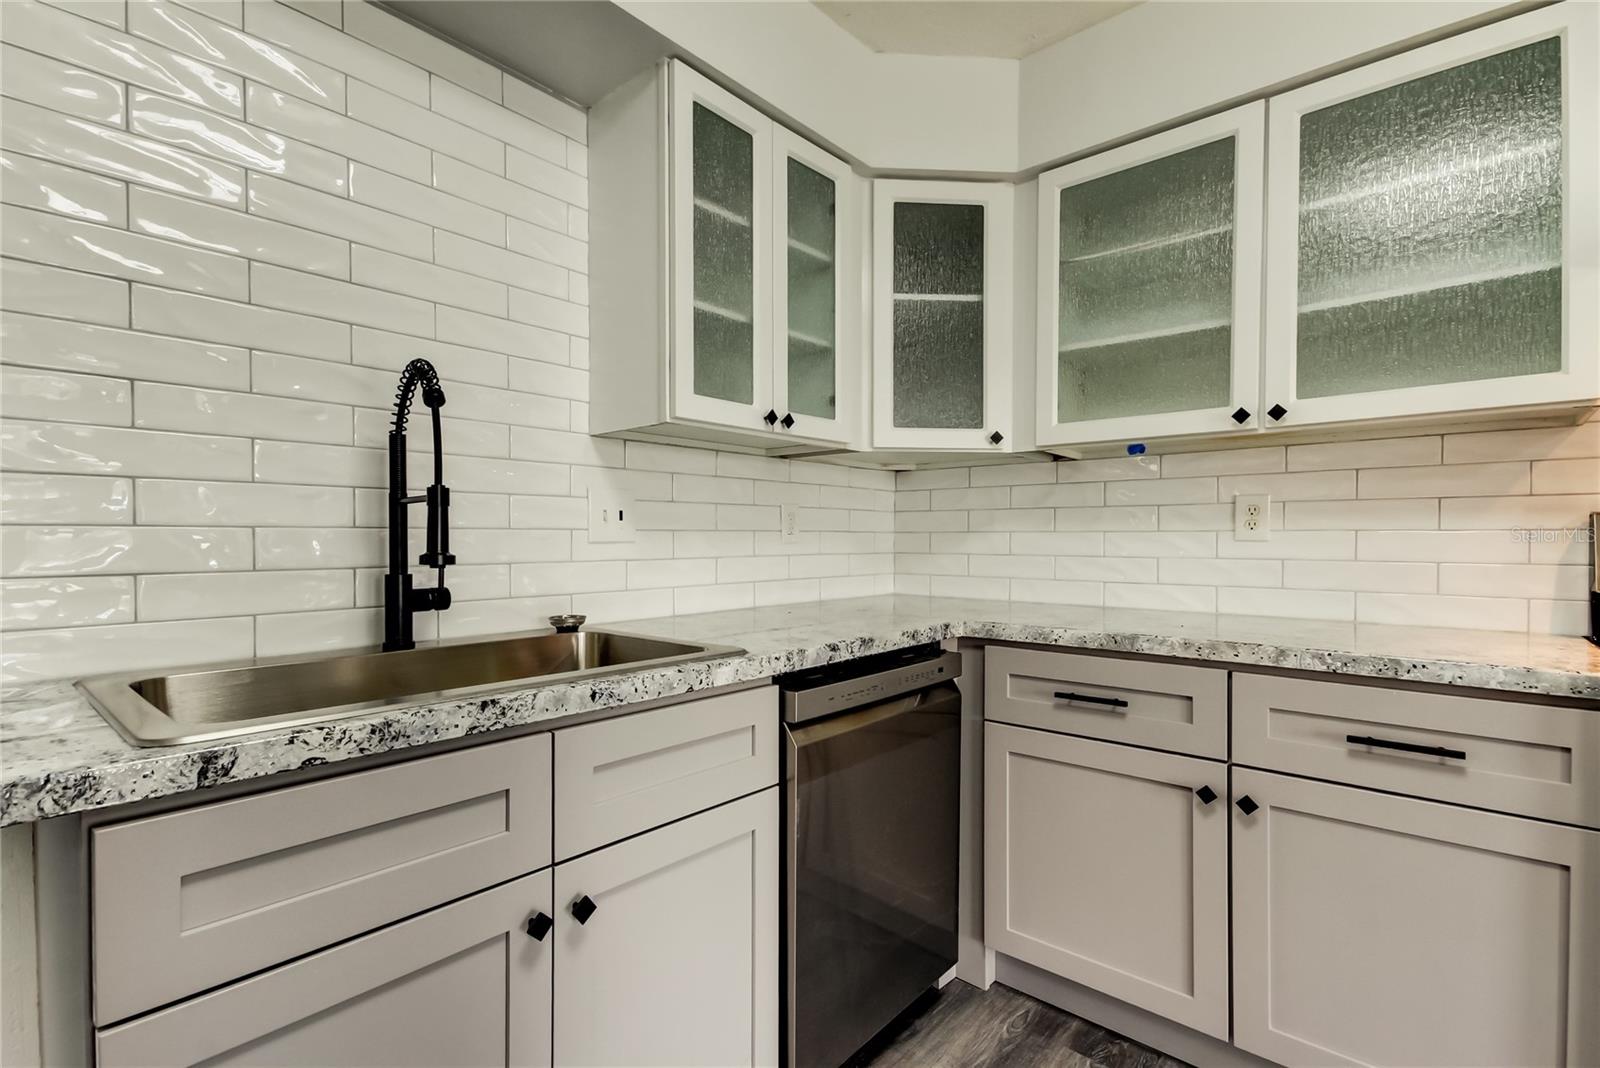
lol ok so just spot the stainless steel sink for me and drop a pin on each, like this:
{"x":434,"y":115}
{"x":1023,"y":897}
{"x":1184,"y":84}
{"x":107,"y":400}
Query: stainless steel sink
{"x":226,"y":700}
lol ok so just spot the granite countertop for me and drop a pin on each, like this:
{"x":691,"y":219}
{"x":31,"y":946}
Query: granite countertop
{"x":58,"y":756}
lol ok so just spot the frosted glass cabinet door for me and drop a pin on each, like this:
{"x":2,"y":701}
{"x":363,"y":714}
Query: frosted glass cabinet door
{"x":721,"y":263}
{"x":814,"y":358}
{"x":1432,"y":228}
{"x":942,"y":315}
{"x":1149,"y":285}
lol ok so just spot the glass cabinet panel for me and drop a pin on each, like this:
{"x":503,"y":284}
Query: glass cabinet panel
{"x":1430,"y":217}
{"x":1146,"y":287}
{"x":724,"y":258}
{"x":812,"y":204}
{"x":938,"y":342}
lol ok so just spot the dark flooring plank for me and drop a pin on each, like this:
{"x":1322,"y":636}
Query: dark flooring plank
{"x":964,"y":1027}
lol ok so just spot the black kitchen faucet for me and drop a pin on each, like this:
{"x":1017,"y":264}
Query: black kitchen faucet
{"x":400,"y":601}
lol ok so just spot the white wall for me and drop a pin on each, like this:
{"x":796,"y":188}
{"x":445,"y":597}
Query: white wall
{"x":1480,"y":530}
{"x":214,"y":268}
{"x":1163,"y":61}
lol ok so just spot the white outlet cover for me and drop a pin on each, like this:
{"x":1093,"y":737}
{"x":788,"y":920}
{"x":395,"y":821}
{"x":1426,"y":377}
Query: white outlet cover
{"x":610,"y":514}
{"x":1252,"y":517}
{"x":788,"y":524}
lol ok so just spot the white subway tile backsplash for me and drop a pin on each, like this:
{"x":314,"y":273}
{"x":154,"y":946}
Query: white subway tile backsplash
{"x":226,"y":230}
{"x":554,"y":179}
{"x":1226,"y":462}
{"x":204,"y":596}
{"x":220,"y":41}
{"x":308,"y":209}
{"x":105,"y":550}
{"x":1516,"y":513}
{"x":87,"y":45}
{"x":1420,"y":514}
{"x":68,"y":345}
{"x":1566,"y":476}
{"x":1394,"y":452}
{"x":42,"y":290}
{"x":1111,"y":470}
{"x":1298,"y":486}
{"x":1364,"y":575}
{"x":325,"y":44}
{"x":1160,"y":596}
{"x":165,"y":502}
{"x":162,"y":407}
{"x":1166,"y":490}
{"x":252,"y":147}
{"x":1546,"y":581}
{"x":1449,"y":480}
{"x":64,"y":499}
{"x":1457,"y":546}
{"x":302,"y":548}
{"x":477,"y":186}
{"x":29,"y":394}
{"x":62,"y":448}
{"x":382,"y":189}
{"x":313,"y":294}
{"x":1422,"y":610}
{"x":1063,"y":495}
{"x":29,"y":604}
{"x":1296,"y":604}
{"x":110,"y":12}
{"x":542,"y":243}
{"x":503,"y":123}
{"x":44,"y":237}
{"x":33,"y":131}
{"x":1554,"y":444}
{"x":1204,"y":571}
{"x":164,"y":311}
{"x":544,"y":110}
{"x":62,"y":87}
{"x":386,"y":111}
{"x":395,"y":35}
{"x":37,"y":183}
{"x":53,"y":654}
{"x":1558,"y":617}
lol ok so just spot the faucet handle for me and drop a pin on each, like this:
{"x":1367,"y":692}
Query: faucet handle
{"x":568,"y":624}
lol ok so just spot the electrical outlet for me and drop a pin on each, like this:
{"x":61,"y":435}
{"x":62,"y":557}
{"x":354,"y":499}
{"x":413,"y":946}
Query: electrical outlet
{"x":610,"y":515}
{"x":788,"y":524}
{"x":1252,"y":517}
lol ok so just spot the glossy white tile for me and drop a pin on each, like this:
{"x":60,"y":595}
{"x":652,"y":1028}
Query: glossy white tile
{"x":1566,"y":476}
{"x":214,"y":40}
{"x":386,"y":111}
{"x":417,"y":46}
{"x":335,"y":132}
{"x":205,"y":596}
{"x":28,"y":604}
{"x":502,"y":123}
{"x":1448,"y":480}
{"x":1365,"y":575}
{"x":243,"y":144}
{"x":384,"y":190}
{"x":1553,"y":444}
{"x":325,"y":44}
{"x":1294,"y":604}
{"x":425,"y":281}
{"x":301,"y":548}
{"x":544,"y":109}
{"x":458,"y":363}
{"x":86,"y":347}
{"x":462,"y":327}
{"x":209,"y":319}
{"x":545,"y":244}
{"x":43,"y":290}
{"x":298,"y":463}
{"x":310,"y":294}
{"x":550,"y":178}
{"x":164,"y":502}
{"x":55,"y":395}
{"x":42,"y":237}
{"x":1454,"y":546}
{"x":202,"y":411}
{"x":1225,"y":462}
{"x":489,"y":261}
{"x":110,"y":550}
{"x":52,"y":654}
{"x":307,"y":209}
{"x":63,"y":448}
{"x":1423,"y":610}
{"x":59,"y":86}
{"x":36,"y":183}
{"x":64,"y":499}
{"x":1392,"y":452}
{"x":225,"y":230}
{"x":1553,"y":582}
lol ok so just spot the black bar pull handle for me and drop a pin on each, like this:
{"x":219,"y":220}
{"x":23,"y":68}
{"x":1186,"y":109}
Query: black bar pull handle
{"x":1406,"y":747}
{"x":1109,"y":702}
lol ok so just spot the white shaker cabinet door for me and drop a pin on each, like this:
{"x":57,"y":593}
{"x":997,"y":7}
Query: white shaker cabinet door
{"x":1104,"y":866}
{"x":1433,"y":228}
{"x":668,"y":944}
{"x":1371,"y":929}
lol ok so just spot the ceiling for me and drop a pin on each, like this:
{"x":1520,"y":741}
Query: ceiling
{"x":1001,"y":29}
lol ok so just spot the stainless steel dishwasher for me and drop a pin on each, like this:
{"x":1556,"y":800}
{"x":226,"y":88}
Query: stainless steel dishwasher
{"x":871,"y":840}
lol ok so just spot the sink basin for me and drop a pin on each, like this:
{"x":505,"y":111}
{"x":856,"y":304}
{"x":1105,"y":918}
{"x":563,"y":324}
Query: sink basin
{"x":227,"y":700}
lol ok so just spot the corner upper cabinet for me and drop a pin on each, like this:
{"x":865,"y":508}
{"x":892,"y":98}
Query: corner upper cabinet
{"x":1150,"y":286}
{"x":723,"y":261}
{"x":942,"y":316}
{"x":1432,"y":228}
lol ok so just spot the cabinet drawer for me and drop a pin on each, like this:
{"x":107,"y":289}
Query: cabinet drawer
{"x":188,"y":900}
{"x":1511,"y":756}
{"x":1163,"y":706}
{"x":622,"y":776}
{"x":462,"y":985}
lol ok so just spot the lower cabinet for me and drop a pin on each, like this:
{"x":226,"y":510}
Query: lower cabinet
{"x":1371,"y":929}
{"x":667,"y":944}
{"x":466,"y":984}
{"x":1103,"y":865}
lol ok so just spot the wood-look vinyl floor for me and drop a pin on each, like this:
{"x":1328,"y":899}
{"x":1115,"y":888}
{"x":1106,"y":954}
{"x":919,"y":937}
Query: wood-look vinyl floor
{"x":964,"y":1027}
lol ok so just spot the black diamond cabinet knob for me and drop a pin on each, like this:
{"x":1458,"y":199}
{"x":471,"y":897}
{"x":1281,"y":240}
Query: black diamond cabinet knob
{"x":583,"y":908}
{"x":770,"y":418}
{"x":1246,"y":804}
{"x":996,"y":438}
{"x":787,"y":420}
{"x":1240,"y":415}
{"x":1206,"y":795}
{"x":1277,"y":411}
{"x":539,"y":926}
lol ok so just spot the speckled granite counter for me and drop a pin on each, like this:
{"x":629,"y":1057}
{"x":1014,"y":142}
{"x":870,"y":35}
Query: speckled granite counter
{"x":57,"y":756}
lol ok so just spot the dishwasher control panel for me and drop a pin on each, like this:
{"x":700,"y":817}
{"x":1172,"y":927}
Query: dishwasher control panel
{"x":835,"y":688}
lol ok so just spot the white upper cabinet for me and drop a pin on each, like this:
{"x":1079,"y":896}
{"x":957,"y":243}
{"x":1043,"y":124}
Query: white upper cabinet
{"x":942,"y":316}
{"x":725,"y":268}
{"x":1432,"y":230}
{"x":1150,"y":286}
{"x":816,"y":257}
{"x":721,"y":259}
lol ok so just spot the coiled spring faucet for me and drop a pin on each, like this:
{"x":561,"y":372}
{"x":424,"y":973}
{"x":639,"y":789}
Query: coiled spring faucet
{"x":400,"y":601}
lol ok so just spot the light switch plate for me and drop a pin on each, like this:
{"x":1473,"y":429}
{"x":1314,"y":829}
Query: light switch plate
{"x":610,"y":514}
{"x":1252,"y":517}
